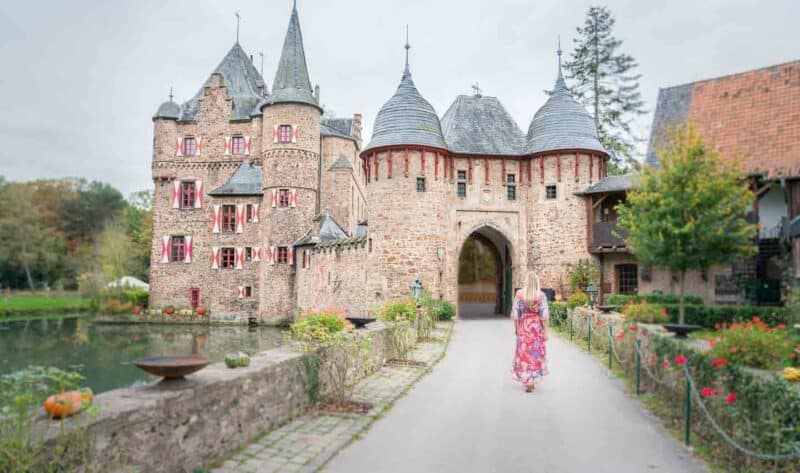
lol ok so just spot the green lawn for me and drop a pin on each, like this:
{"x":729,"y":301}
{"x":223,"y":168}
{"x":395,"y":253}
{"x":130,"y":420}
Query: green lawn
{"x":33,"y":303}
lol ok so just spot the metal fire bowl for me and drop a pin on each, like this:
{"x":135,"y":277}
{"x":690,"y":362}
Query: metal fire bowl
{"x":360,"y":322}
{"x":172,"y":367}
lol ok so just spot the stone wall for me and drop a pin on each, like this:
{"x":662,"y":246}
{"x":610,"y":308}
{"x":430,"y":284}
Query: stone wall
{"x":156,"y":429}
{"x":337,"y":277}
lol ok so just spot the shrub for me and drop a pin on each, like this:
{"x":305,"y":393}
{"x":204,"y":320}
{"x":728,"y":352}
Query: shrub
{"x":622,"y":299}
{"x":710,"y":317}
{"x":115,"y":306}
{"x":753,"y":344}
{"x":315,"y":328}
{"x":444,"y":310}
{"x":399,"y":310}
{"x":580,"y":274}
{"x":645,"y":312}
{"x":577,"y":299}
{"x":399,"y":317}
{"x":558,"y":312}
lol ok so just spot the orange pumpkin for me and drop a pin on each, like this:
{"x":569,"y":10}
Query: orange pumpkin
{"x":63,"y":405}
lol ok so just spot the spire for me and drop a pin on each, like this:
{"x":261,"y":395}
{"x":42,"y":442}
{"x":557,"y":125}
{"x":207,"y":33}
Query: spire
{"x":408,"y":46}
{"x":237,"y":25}
{"x":559,"y":55}
{"x":291,"y":83}
{"x":561,"y":86}
{"x":170,"y":94}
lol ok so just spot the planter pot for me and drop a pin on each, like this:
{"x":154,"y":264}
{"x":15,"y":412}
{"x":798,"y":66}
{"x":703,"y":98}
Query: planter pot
{"x":607,"y":308}
{"x":681,"y":330}
{"x":202,"y":311}
{"x":360,"y":322}
{"x":169,"y":310}
{"x":137,"y":310}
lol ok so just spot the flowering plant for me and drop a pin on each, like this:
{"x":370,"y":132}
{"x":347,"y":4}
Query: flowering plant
{"x":645,"y":312}
{"x":752,"y":343}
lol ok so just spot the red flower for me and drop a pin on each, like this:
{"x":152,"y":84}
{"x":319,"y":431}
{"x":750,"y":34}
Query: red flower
{"x":680,"y":360}
{"x":719,"y":362}
{"x":731,"y":398}
{"x":706,"y":392}
{"x":633,"y":328}
{"x":620,"y":335}
{"x":665,"y":364}
{"x":780,"y":326}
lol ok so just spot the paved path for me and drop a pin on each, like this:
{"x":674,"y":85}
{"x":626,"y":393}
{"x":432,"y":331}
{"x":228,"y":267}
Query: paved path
{"x":469,"y":416}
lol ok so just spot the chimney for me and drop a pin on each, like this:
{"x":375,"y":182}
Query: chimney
{"x":251,"y":59}
{"x":355,"y":130}
{"x":316,"y":93}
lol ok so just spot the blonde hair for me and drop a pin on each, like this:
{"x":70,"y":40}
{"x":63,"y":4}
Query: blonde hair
{"x":532,"y":286}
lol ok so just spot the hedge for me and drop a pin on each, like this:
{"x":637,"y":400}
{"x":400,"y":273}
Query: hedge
{"x":708,"y":317}
{"x":622,"y":299}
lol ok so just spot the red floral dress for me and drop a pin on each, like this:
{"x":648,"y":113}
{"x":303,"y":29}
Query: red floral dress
{"x":530,"y":357}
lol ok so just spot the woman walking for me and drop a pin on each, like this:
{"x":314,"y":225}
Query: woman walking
{"x":530,"y":314}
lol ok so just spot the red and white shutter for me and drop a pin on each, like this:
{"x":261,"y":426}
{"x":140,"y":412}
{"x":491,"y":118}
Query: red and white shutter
{"x":239,"y":218}
{"x":176,"y":194}
{"x":256,"y":253}
{"x":255,"y":213}
{"x":275,"y":134}
{"x":239,"y":257}
{"x":294,"y":134}
{"x":272,"y":251}
{"x":214,"y":257}
{"x":227,"y":150}
{"x":165,"y":240}
{"x":217,"y":217}
{"x":199,"y":141}
{"x":240,"y":292}
{"x":187,"y":253}
{"x":247,"y":145}
{"x":290,"y":251}
{"x":179,"y":146}
{"x":274,"y":198}
{"x":293,"y":197}
{"x":198,"y":194}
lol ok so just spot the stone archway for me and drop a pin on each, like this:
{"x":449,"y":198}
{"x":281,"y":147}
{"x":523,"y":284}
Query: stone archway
{"x":484,"y":274}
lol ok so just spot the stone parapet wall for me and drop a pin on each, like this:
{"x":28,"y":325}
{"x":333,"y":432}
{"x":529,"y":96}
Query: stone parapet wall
{"x":158,"y":430}
{"x":337,"y":277}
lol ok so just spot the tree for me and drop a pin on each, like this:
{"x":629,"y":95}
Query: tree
{"x":580,"y":274}
{"x":115,"y":255}
{"x":689,"y":213}
{"x":84,"y":215}
{"x":139,"y":229}
{"x":605,"y":82}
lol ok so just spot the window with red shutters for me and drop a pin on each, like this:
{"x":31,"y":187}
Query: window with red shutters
{"x":283,"y":254}
{"x":237,"y":145}
{"x":177,"y":249}
{"x":249,"y":213}
{"x":248,"y":253}
{"x":228,"y":258}
{"x":285,"y":133}
{"x":187,"y":194}
{"x":283,"y":197}
{"x":229,"y":218}
{"x":189,"y":146}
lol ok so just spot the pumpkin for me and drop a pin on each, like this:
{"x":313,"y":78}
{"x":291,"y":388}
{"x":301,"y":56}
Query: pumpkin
{"x":201,"y":310}
{"x":64,"y":404}
{"x":87,"y":396}
{"x":169,"y":310}
{"x":237,"y":360}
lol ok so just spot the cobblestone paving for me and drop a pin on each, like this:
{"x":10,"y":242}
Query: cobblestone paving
{"x":305,"y":444}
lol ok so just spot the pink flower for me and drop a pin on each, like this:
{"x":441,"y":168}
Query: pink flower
{"x":665,"y":364}
{"x":706,"y":392}
{"x":731,"y":398}
{"x":719,"y":362}
{"x":680,"y":360}
{"x":780,"y":326}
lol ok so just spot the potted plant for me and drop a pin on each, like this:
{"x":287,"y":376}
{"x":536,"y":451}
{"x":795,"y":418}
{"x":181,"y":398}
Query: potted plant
{"x":169,"y":310}
{"x":201,"y":310}
{"x":137,"y":309}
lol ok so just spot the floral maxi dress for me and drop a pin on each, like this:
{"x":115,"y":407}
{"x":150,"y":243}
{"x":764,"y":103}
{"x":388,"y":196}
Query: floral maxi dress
{"x":530,"y":356}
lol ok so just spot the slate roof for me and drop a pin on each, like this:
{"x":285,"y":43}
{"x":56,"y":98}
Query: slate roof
{"x":168,"y":109}
{"x":618,"y":183}
{"x":291,"y":84}
{"x":329,"y":231}
{"x":672,"y":109}
{"x":407,"y":119}
{"x":242,"y":80}
{"x":562,"y":123}
{"x":247,"y":180}
{"x":479,"y":124}
{"x":337,"y":127}
{"x":341,"y":163}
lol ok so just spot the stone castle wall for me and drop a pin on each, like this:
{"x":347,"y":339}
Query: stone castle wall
{"x":335,"y":278}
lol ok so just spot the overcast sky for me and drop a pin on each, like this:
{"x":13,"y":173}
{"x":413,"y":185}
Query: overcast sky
{"x":80,"y":80}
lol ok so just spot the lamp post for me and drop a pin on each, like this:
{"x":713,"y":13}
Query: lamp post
{"x":416,"y":289}
{"x":592,"y":291}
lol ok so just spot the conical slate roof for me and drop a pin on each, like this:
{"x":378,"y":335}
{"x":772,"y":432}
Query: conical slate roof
{"x":291,"y":83}
{"x":562,"y":123}
{"x":244,"y":85}
{"x":168,"y":109}
{"x":407,"y":119}
{"x":477,"y":124}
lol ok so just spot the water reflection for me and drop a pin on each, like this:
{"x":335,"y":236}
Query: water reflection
{"x":103,"y":353}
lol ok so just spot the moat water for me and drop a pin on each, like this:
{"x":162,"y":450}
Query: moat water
{"x":103,"y":353}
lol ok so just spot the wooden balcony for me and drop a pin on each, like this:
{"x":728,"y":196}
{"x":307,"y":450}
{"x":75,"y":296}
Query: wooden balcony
{"x":605,"y":240}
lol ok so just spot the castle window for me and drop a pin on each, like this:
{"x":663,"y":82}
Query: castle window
{"x":285,"y":133}
{"x":228,"y":218}
{"x":187,"y":194}
{"x":248,"y":253}
{"x":248,"y":291}
{"x":461,"y":185}
{"x":550,"y":192}
{"x":420,"y":184}
{"x":627,"y":278}
{"x":190,"y":146}
{"x":283,"y":254}
{"x":228,"y":259}
{"x":194,"y":297}
{"x":177,"y":249}
{"x":511,"y":186}
{"x":248,"y":213}
{"x":283,"y":197}
{"x":237,"y":144}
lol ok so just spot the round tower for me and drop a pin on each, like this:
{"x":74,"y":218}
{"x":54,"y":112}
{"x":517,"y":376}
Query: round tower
{"x":404,"y":166}
{"x":290,"y":159}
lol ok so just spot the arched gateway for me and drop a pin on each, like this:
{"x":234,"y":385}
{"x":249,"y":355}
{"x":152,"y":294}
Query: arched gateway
{"x":484,"y":274}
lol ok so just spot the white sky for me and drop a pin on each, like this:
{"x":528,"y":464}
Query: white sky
{"x":80,"y":80}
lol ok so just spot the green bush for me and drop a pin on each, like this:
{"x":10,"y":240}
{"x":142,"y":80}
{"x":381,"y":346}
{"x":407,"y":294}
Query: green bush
{"x":558,"y":312}
{"x":622,"y":299}
{"x":135,"y":296}
{"x":577,"y":299}
{"x":316,"y":327}
{"x":442,"y":310}
{"x":399,"y":310}
{"x":713,"y":316}
{"x":645,"y":312}
{"x":753,"y":344}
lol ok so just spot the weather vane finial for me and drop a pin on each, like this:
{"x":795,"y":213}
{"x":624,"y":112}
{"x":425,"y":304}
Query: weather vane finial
{"x":238,"y":18}
{"x":170,"y":94}
{"x":408,"y":46}
{"x":476,"y":89}
{"x":558,"y":51}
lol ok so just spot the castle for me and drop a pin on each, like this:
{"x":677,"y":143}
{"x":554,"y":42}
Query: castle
{"x":264,"y":207}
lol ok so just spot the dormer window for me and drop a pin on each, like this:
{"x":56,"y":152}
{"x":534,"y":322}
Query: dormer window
{"x":285,"y":133}
{"x":189,"y":146}
{"x":237,"y":145}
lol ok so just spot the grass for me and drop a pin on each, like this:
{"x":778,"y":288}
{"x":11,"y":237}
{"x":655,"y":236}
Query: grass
{"x":26,"y":304}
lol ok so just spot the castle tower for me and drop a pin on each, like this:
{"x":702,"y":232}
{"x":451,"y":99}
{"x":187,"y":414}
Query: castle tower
{"x":407,"y":194}
{"x":290,"y":159}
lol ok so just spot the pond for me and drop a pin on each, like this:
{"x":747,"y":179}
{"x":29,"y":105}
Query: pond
{"x":103,"y":353}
